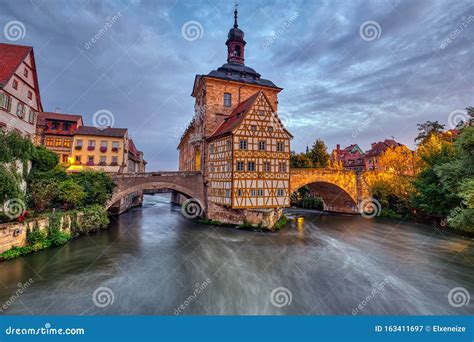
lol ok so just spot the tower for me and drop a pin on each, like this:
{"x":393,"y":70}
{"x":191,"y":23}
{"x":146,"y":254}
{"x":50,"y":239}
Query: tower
{"x":235,"y":43}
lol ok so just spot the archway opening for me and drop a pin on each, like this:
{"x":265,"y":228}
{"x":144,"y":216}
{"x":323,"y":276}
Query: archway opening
{"x":333,"y":198}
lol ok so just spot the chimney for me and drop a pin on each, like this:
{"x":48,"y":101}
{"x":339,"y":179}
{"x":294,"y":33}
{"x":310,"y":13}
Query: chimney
{"x":338,"y":148}
{"x":373,"y":145}
{"x":57,"y":110}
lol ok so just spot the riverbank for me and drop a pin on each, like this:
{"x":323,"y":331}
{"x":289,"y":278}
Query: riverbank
{"x":49,"y":230}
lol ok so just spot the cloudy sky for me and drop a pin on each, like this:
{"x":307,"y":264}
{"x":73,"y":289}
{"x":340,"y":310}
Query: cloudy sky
{"x":352,"y":72}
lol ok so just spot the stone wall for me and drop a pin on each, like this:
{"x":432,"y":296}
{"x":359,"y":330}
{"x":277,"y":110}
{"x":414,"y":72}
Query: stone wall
{"x":13,"y":234}
{"x":266,"y":217}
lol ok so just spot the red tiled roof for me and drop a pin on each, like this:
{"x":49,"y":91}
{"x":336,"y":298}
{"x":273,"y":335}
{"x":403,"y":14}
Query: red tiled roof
{"x":381,"y":146}
{"x":11,"y":56}
{"x":235,"y":118}
{"x":43,"y":116}
{"x":106,"y":132}
{"x":133,"y":151}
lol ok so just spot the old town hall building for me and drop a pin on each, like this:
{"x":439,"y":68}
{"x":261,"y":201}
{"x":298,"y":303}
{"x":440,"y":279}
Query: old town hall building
{"x":237,"y":141}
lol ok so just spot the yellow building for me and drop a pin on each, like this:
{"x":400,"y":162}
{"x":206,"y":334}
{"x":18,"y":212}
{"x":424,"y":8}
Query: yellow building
{"x":100,"y":149}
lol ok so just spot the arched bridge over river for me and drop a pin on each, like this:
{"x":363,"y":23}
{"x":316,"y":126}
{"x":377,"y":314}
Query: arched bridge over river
{"x":341,"y":191}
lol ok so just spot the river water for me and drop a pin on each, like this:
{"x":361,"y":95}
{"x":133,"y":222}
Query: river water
{"x":152,"y":260}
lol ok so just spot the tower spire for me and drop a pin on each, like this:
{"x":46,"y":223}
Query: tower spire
{"x":235,"y":15}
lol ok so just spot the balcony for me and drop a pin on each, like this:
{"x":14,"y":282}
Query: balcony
{"x":90,"y":148}
{"x":103,"y":149}
{"x":102,"y":164}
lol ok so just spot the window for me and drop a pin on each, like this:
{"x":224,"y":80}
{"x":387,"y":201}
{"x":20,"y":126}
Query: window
{"x":54,"y":125}
{"x":66,"y":126}
{"x":20,"y":110}
{"x":239,"y":192}
{"x":270,"y":129}
{"x":90,"y":159}
{"x":64,"y":158}
{"x":114,"y":160}
{"x":229,"y":167}
{"x":253,"y":192}
{"x":25,"y":72}
{"x":30,"y":94}
{"x":240,"y":166}
{"x":243,"y":144}
{"x":261,"y":113}
{"x":67,"y":143}
{"x":79,"y":142}
{"x":31,"y":117}
{"x":103,"y":159}
{"x":280,"y":192}
{"x":259,"y":192}
{"x":78,"y":159}
{"x":211,"y":167}
{"x":229,"y":145}
{"x":251,"y":166}
{"x":237,"y":51}
{"x":267,"y":166}
{"x":279,"y":147}
{"x":91,"y":143}
{"x":103,"y":143}
{"x":262,"y":145}
{"x":227,"y":100}
{"x":5,"y":102}
{"x":58,"y":142}
{"x":15,"y":84}
{"x":212,"y":149}
{"x":115,"y":146}
{"x":254,"y":127}
{"x":49,"y":141}
{"x":227,"y":193}
{"x":281,"y":167}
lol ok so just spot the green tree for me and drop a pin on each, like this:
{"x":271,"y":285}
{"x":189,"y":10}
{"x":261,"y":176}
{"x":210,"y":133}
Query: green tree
{"x":44,"y":159}
{"x":427,"y":129}
{"x":98,"y":186}
{"x":42,"y":193}
{"x":300,"y":160}
{"x":319,"y":155}
{"x":71,"y":193}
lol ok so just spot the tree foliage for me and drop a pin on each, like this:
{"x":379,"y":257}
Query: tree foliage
{"x":427,"y":129}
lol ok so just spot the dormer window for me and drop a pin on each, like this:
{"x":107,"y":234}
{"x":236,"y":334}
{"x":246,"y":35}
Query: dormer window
{"x":227,"y":100}
{"x":54,"y":126}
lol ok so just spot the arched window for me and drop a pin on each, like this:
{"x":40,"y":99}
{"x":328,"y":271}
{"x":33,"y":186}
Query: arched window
{"x":237,"y":50}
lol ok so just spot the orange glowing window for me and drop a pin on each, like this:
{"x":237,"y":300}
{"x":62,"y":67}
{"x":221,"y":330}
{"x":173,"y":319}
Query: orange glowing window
{"x":49,"y":141}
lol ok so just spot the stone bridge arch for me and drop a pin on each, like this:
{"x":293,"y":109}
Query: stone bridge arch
{"x":340,"y":190}
{"x":188,"y":184}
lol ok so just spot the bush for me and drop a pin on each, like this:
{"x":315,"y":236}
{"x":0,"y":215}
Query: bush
{"x":98,"y":186}
{"x":94,"y":218}
{"x":44,"y":159}
{"x":71,"y":193}
{"x":282,"y":221}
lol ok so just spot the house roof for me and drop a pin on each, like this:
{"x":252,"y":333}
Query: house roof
{"x":133,"y":151}
{"x":380,"y":147}
{"x":235,"y":118}
{"x":11,"y":57}
{"x":44,"y":116}
{"x":106,"y":132}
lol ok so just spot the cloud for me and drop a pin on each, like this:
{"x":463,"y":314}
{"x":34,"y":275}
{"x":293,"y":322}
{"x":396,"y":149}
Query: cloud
{"x":142,"y":70}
